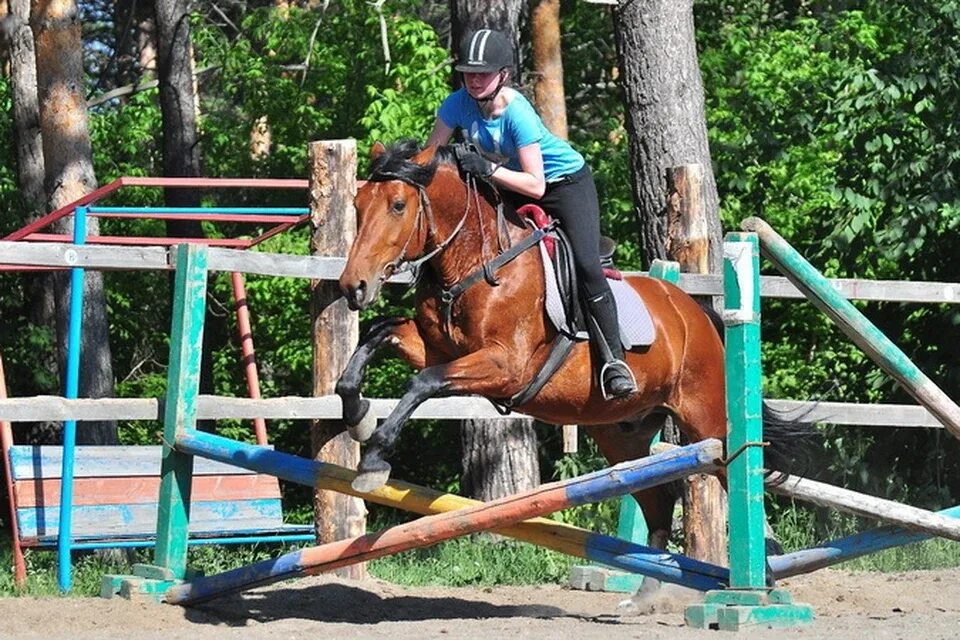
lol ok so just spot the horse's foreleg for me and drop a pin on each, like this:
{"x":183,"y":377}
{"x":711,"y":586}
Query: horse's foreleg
{"x":478,"y":373}
{"x":356,"y":410}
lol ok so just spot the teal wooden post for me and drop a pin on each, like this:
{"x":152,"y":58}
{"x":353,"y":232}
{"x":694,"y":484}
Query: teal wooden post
{"x":631,"y":524}
{"x":856,"y":326}
{"x":179,"y":414}
{"x":741,"y":315}
{"x":748,"y":601}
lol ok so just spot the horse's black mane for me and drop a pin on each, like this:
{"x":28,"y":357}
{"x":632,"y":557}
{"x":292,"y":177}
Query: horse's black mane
{"x":395,"y":163}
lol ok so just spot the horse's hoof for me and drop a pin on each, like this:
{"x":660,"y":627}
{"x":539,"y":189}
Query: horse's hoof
{"x":367,"y":481}
{"x":362,"y":431}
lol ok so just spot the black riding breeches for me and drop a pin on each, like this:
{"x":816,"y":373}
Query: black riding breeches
{"x":573,"y":200}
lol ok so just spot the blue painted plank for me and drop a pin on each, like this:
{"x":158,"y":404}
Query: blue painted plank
{"x":141,"y":519}
{"x":32,"y":461}
{"x":289,"y":533}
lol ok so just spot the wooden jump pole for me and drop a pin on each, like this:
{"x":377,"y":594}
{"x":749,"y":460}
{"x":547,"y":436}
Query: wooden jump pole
{"x":861,"y":504}
{"x":853,"y":323}
{"x":623,"y":478}
{"x":564,"y":538}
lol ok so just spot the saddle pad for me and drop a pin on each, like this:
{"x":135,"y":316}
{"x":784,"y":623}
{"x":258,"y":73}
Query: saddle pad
{"x":636,"y":325}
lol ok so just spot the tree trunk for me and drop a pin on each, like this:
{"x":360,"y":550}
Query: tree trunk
{"x":336,"y":331}
{"x":178,"y":104}
{"x":666,"y":119}
{"x":704,"y":501}
{"x":68,"y":159}
{"x":547,"y":64}
{"x":666,"y":123}
{"x":181,"y":144}
{"x":498,"y":457}
{"x":38,"y":286}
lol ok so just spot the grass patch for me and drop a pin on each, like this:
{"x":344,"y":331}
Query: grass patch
{"x":89,"y":568}
{"x":479,"y":560}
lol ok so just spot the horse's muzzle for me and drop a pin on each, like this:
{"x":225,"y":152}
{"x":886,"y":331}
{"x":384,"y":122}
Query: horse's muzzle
{"x":359,"y":295}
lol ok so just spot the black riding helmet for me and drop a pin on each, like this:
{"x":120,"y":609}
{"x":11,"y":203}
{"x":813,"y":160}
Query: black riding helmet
{"x":484,"y":51}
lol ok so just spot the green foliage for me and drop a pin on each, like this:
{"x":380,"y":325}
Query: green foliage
{"x":478,"y":560}
{"x":839,"y":127}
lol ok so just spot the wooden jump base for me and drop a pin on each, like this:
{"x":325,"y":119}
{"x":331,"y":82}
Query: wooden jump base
{"x":616,"y":481}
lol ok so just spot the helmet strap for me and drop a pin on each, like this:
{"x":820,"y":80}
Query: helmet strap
{"x":496,"y":92}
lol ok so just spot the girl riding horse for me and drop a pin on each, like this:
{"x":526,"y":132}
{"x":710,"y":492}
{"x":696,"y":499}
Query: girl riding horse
{"x":534,"y":166}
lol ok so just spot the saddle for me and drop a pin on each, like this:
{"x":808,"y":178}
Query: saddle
{"x":564,"y":305}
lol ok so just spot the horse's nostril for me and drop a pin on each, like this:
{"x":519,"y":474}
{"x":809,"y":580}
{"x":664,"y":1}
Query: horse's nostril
{"x":361,"y":290}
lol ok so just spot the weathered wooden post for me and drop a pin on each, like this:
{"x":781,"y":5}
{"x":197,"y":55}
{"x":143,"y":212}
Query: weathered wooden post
{"x":333,"y":184}
{"x":688,"y":243}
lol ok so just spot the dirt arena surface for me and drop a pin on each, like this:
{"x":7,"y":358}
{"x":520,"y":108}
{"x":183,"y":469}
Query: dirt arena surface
{"x":862,"y":606}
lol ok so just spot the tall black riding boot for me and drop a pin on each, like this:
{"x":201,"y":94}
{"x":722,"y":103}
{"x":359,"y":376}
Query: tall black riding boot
{"x":616,"y":379}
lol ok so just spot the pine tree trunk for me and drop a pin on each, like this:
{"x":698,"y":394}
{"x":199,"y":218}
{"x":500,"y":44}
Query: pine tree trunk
{"x":38,"y":287}
{"x":498,"y":457}
{"x":178,"y":105}
{"x":181,"y":144}
{"x":666,"y":123}
{"x":68,"y":159}
{"x":547,"y":65}
{"x":666,"y":119}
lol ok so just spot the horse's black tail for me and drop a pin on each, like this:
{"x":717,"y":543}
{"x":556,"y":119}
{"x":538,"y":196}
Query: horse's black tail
{"x":795,"y":446}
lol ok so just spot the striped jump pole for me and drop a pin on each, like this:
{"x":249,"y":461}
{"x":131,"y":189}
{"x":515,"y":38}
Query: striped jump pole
{"x":618,"y":480}
{"x":860,"y":544}
{"x":855,"y":325}
{"x":564,"y":538}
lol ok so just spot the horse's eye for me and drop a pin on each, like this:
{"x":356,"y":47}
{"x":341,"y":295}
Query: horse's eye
{"x":399,"y":206}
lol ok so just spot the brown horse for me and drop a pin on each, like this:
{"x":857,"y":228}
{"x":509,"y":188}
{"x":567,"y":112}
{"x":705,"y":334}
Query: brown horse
{"x":492,"y":340}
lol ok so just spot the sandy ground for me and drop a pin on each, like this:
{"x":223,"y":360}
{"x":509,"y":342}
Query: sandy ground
{"x":865,"y":606}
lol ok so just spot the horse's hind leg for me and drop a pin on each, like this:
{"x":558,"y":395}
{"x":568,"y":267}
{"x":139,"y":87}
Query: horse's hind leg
{"x":359,"y":421}
{"x":629,"y":441}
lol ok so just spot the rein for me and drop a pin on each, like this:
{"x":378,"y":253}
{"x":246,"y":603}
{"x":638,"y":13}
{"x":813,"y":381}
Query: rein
{"x":401,"y":264}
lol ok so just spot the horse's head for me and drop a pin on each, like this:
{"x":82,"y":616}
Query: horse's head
{"x":391,"y":228}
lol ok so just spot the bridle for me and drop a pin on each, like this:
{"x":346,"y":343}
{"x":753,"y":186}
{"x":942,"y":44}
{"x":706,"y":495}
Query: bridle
{"x":488,"y":268}
{"x":401,"y":264}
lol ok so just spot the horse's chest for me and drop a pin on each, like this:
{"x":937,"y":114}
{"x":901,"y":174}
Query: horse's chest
{"x":452,"y":327}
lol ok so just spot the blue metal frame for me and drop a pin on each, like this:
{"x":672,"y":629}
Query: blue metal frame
{"x":74,"y":342}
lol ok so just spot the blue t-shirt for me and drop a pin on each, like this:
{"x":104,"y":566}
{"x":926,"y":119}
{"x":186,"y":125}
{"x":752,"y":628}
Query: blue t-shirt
{"x":518,"y":126}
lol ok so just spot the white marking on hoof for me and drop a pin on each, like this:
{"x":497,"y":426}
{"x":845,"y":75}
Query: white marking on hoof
{"x":367,"y":481}
{"x":362,"y":431}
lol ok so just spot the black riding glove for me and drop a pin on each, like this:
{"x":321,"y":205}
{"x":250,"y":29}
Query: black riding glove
{"x":471,"y":161}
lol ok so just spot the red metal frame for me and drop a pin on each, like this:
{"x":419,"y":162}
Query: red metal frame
{"x":32,"y":231}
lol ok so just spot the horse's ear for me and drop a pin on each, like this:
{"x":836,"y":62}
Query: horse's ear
{"x":377,"y":150}
{"x":426,"y":155}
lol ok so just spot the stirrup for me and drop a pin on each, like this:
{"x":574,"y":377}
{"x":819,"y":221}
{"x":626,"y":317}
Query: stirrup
{"x":622,"y":368}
